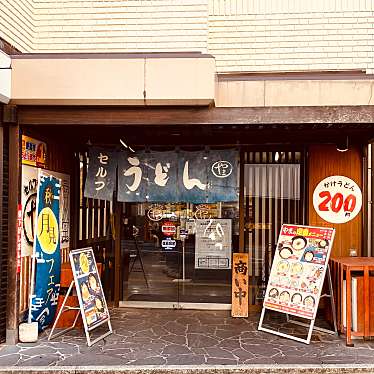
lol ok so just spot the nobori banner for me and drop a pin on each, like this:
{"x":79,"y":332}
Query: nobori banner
{"x":46,"y":252}
{"x":196,"y":177}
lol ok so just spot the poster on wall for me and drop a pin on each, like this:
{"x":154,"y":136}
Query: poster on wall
{"x":213,"y":243}
{"x":90,"y":293}
{"x":28,"y":201}
{"x":34,"y":152}
{"x":337,"y":199}
{"x":298,"y":270}
{"x":46,"y":252}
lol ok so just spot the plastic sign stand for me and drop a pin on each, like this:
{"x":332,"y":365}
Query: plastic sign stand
{"x":92,"y":303}
{"x":297,"y":276}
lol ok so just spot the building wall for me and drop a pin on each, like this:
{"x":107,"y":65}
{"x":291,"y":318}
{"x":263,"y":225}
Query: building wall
{"x":18,"y":23}
{"x":292,"y":35}
{"x":243,"y":35}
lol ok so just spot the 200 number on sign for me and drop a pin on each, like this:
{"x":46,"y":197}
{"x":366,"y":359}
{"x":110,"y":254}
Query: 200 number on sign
{"x":337,"y":199}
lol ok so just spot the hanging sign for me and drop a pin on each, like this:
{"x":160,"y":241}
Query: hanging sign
{"x":196,"y":177}
{"x":101,"y":174}
{"x":337,"y":199}
{"x":33,"y":152}
{"x":90,"y":293}
{"x":298,"y":271}
{"x":46,"y":252}
{"x":240,"y":277}
{"x":213,"y":243}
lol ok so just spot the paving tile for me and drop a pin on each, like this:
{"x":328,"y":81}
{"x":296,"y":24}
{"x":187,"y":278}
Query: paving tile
{"x":9,"y":359}
{"x":175,"y":349}
{"x":153,"y":360}
{"x":220,"y":361}
{"x":40,"y":360}
{"x":187,"y":337}
{"x":7,"y":349}
{"x":230,"y":344}
{"x":39,"y":350}
{"x":91,"y":359}
{"x":187,"y":359}
{"x":200,"y":341}
{"x":172,"y":338}
{"x":219,"y":352}
{"x":175,"y":328}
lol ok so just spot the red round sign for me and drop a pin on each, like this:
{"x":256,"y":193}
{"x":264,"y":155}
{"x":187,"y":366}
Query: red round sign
{"x":168,"y":228}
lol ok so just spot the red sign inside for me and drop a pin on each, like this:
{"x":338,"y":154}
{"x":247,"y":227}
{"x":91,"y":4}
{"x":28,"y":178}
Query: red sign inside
{"x":168,"y":228}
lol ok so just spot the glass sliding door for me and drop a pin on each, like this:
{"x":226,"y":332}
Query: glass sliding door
{"x":179,"y":254}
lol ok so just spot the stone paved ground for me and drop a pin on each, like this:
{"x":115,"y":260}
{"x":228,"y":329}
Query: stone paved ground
{"x":186,"y":337}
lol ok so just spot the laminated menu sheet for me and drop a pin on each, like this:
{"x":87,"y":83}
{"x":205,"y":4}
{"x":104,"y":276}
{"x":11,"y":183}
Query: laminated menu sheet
{"x":298,"y":270}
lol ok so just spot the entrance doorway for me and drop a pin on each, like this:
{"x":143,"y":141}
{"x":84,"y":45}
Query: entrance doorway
{"x":178,"y":255}
{"x":160,"y":269}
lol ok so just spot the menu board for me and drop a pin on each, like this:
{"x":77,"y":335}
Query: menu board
{"x":298,"y":270}
{"x":213,"y":244}
{"x":89,"y":289}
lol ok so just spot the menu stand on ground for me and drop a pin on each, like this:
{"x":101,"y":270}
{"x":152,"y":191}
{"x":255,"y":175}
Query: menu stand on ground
{"x":92,"y":304}
{"x":77,"y":308}
{"x":311,"y":326}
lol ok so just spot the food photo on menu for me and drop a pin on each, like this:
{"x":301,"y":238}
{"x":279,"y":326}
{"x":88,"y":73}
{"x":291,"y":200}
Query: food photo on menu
{"x":93,"y":300}
{"x":296,"y":275}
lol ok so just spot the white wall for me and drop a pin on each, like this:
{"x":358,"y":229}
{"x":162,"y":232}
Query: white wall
{"x":243,"y":35}
{"x":291,"y":35}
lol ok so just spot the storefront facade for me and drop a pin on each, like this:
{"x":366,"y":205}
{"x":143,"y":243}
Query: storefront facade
{"x":291,"y":122}
{"x":282,"y":154}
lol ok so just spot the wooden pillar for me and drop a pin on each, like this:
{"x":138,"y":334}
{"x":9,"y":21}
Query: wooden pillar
{"x":117,"y":251}
{"x":13,"y":201}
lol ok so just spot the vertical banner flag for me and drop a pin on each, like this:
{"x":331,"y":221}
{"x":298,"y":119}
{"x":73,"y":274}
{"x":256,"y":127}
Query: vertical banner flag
{"x":101,"y":174}
{"x":46,"y":252}
{"x":28,"y":200}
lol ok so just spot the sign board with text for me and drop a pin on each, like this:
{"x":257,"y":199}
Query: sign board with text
{"x":337,"y":199}
{"x":298,"y":270}
{"x":213,"y":243}
{"x":240,"y":280}
{"x":297,"y":276}
{"x":34,"y":152}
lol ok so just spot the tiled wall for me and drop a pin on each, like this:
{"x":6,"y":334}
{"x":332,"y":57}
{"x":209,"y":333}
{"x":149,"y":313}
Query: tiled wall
{"x":121,"y":26}
{"x":243,"y":35}
{"x":18,"y":23}
{"x":291,"y":35}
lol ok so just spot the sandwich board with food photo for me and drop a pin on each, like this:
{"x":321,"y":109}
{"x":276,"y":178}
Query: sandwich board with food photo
{"x":297,"y":275}
{"x":92,"y":304}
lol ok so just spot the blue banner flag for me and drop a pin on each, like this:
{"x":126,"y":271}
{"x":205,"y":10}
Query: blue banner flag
{"x":46,"y":252}
{"x":198,"y":177}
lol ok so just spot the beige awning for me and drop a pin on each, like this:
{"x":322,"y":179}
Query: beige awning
{"x":113,"y":79}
